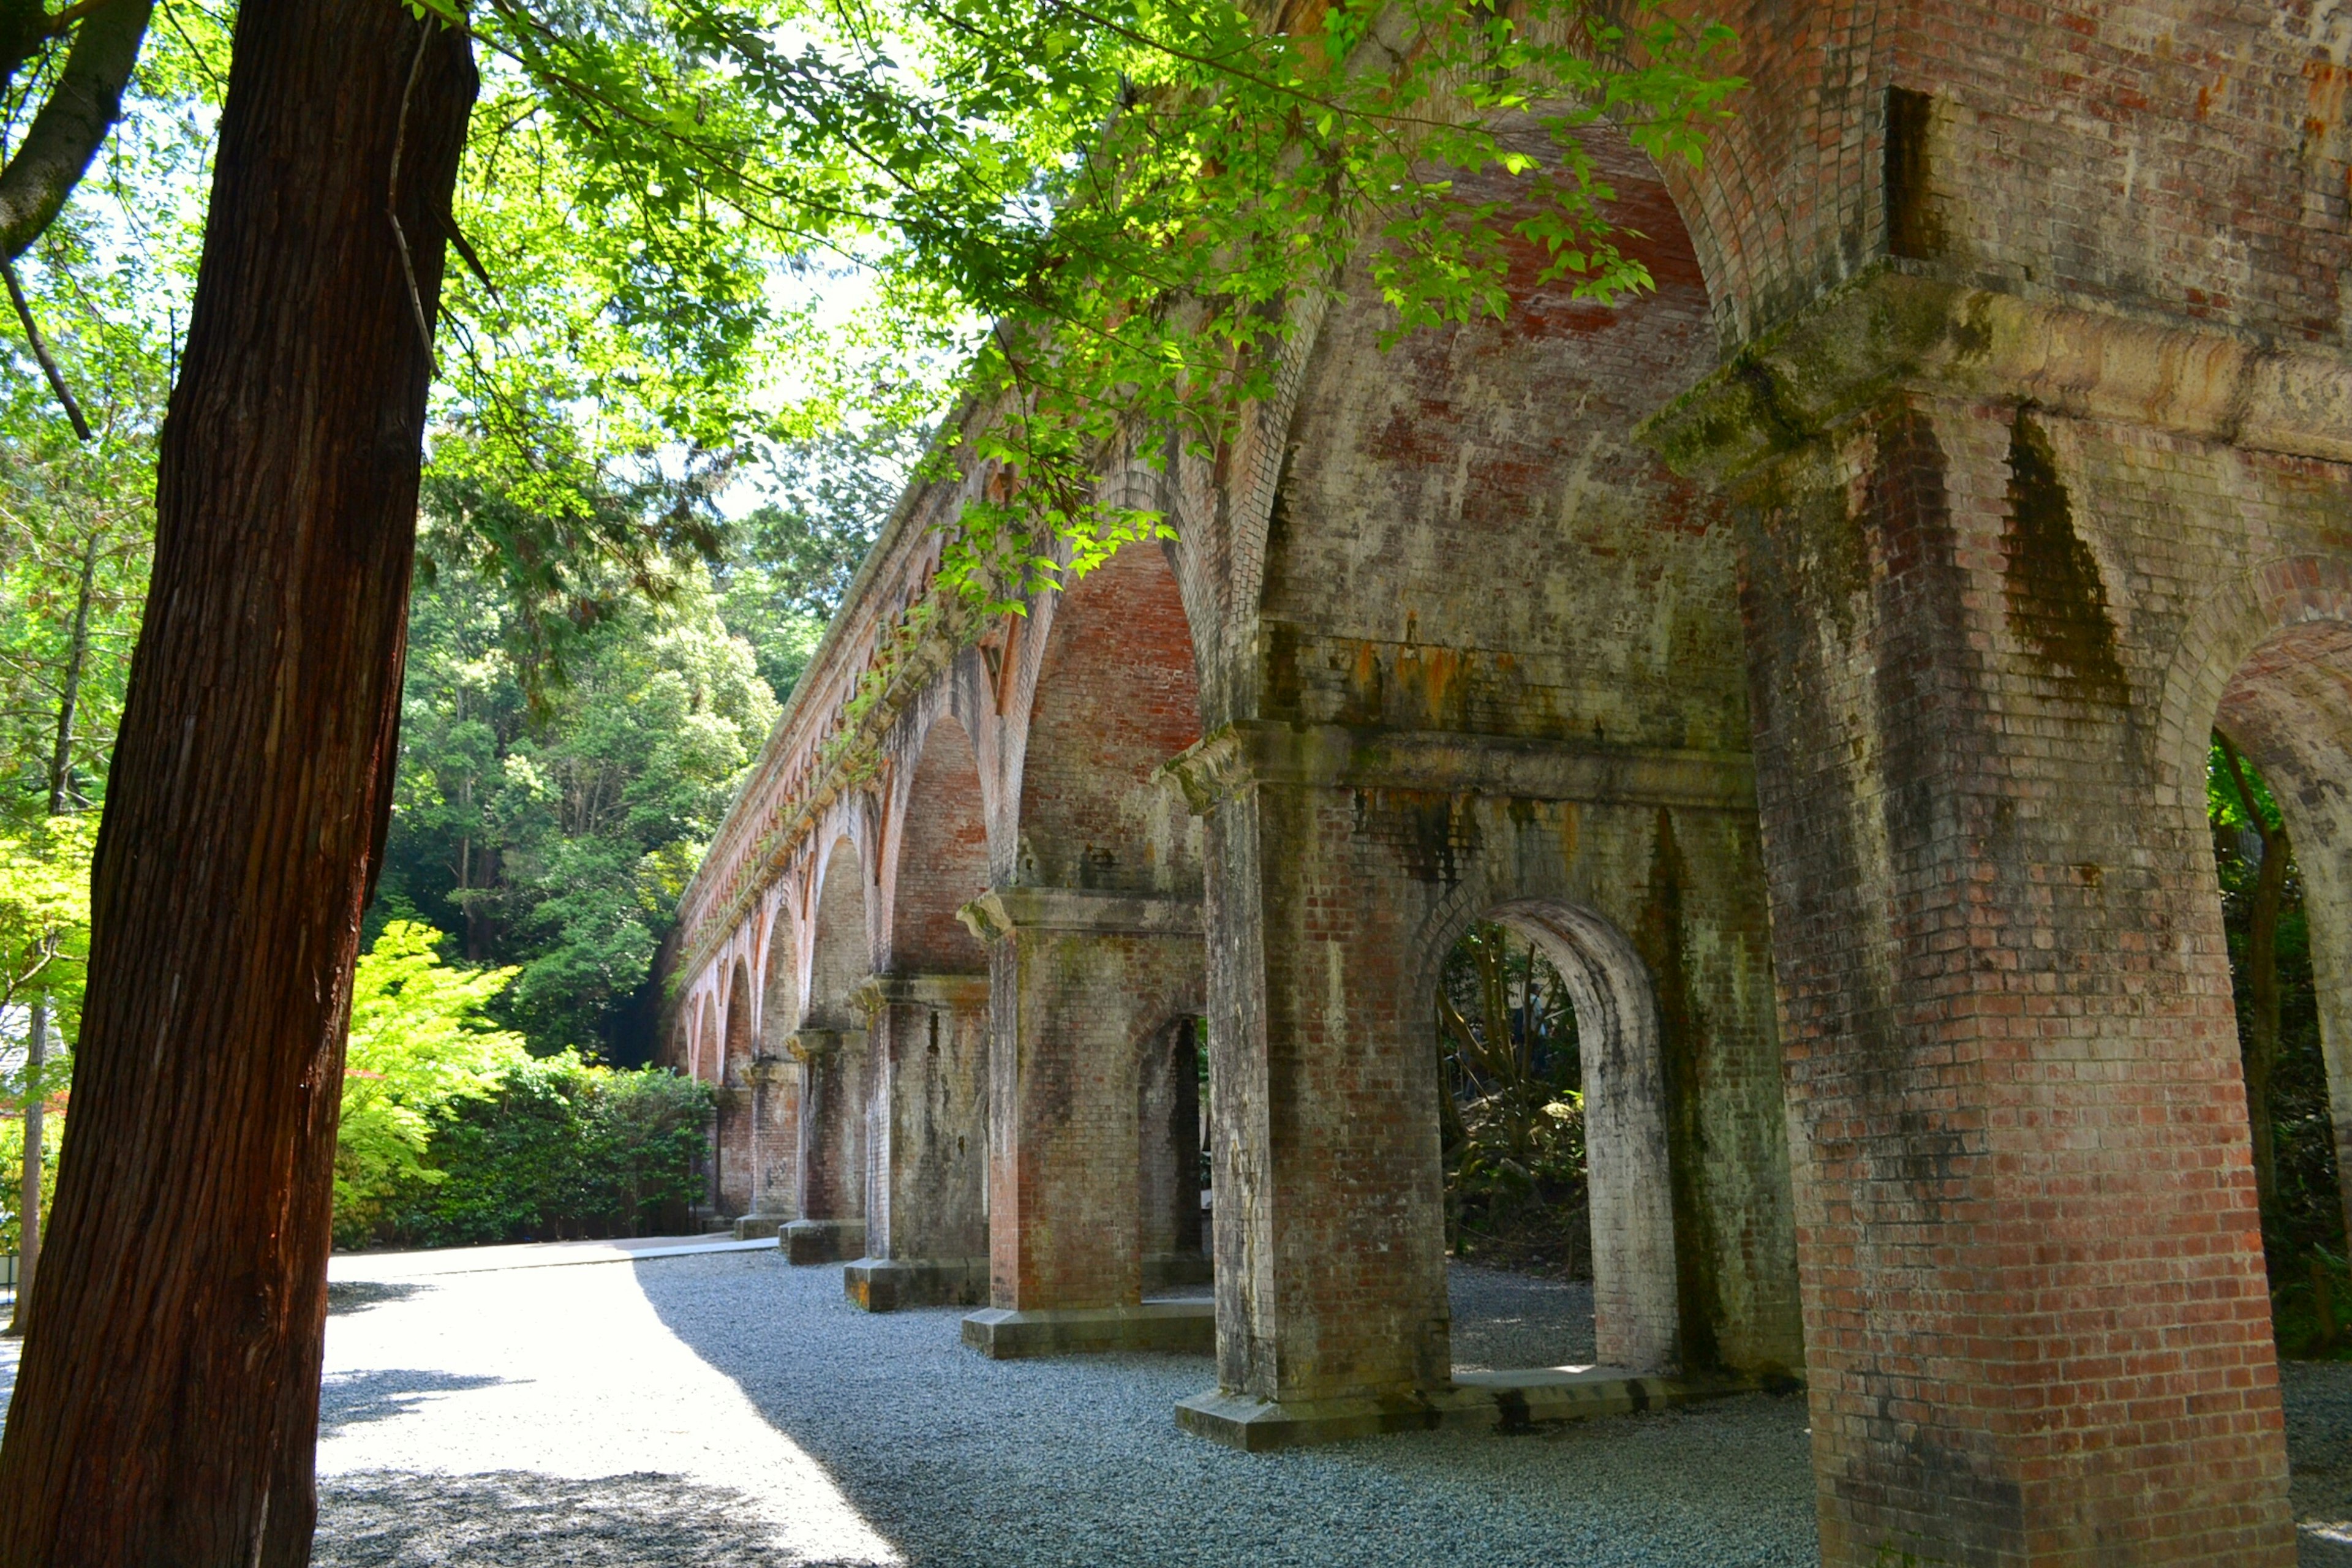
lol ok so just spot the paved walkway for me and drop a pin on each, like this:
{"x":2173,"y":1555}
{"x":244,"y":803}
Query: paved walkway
{"x":716,"y":1407}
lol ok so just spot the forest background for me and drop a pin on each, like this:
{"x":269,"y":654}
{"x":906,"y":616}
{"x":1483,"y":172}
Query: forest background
{"x":631,"y":541}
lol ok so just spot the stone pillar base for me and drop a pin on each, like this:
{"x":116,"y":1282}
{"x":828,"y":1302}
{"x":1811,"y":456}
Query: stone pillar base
{"x":1166,"y":1271}
{"x":1509,"y":1402}
{"x":821,"y":1240}
{"x":886,"y":1284}
{"x":758,"y":1227}
{"x":1186,"y":1327}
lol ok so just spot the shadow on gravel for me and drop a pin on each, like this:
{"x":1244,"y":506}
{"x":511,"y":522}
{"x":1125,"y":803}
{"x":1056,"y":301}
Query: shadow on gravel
{"x":358,"y":1295}
{"x":353,"y":1398}
{"x":399,"y":1519}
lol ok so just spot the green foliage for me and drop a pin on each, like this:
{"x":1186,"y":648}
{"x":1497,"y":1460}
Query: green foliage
{"x":559,"y":1148}
{"x":420,"y":1039}
{"x":554,"y":828}
{"x":1512,"y":1112}
{"x":2306,"y":1216}
{"x":45,"y":915}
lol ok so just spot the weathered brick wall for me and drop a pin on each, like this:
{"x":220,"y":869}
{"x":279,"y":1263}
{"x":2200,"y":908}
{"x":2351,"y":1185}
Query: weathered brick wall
{"x":931,"y":1126}
{"x":2173,"y":157}
{"x":1113,"y":695}
{"x":937,"y":859}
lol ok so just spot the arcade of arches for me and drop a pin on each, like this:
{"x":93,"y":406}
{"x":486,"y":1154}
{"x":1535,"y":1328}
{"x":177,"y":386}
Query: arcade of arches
{"x":1814,"y":655}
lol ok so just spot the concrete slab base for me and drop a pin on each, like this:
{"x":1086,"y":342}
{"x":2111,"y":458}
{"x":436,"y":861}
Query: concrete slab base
{"x":821,"y":1240}
{"x":1183,"y":1327}
{"x":1508,"y":1402}
{"x":758,"y":1227}
{"x":887,"y":1284}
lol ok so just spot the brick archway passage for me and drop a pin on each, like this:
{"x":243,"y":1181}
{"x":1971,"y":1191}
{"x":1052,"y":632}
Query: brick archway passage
{"x":1636,"y":1309}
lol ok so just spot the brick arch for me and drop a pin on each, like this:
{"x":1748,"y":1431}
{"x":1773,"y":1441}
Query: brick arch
{"x":780,"y":992}
{"x":1115,"y":693}
{"x":706,"y":1047}
{"x":1467,"y":527}
{"x":938,"y":859}
{"x":2267,"y":661}
{"x":2276,"y":601}
{"x":840,"y":949}
{"x":741,"y":1035}
{"x":1628,"y":1175}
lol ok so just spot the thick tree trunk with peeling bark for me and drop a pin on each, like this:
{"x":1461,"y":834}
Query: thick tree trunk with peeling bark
{"x":166,"y":1408}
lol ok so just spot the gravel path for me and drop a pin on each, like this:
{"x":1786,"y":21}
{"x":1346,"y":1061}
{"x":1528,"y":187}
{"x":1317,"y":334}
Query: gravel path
{"x":724,"y":1409}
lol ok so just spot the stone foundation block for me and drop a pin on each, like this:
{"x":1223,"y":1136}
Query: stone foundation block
{"x":887,"y":1284}
{"x":822,"y":1240}
{"x":1188,"y":1328}
{"x":758,"y":1227}
{"x":1506,"y":1401}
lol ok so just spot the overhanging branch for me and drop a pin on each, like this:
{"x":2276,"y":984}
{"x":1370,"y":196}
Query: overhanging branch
{"x":65,"y":134}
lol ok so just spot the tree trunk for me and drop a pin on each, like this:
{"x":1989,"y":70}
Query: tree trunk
{"x":166,"y":1411}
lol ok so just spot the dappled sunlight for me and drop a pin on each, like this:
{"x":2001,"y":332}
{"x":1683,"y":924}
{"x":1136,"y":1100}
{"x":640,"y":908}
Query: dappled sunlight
{"x":560,"y":1385}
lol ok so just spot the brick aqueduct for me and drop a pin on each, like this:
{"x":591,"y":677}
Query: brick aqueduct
{"x":1816,"y":656}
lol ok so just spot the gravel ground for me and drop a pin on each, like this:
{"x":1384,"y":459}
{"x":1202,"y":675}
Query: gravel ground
{"x":725,"y":1409}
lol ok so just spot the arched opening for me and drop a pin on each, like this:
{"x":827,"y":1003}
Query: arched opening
{"x":1116,"y":695}
{"x":1172,"y":1157}
{"x":2278,"y":802}
{"x":1552,"y":1103}
{"x":831,"y":1046}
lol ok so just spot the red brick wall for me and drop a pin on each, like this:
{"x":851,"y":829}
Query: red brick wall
{"x":1116,"y":695}
{"x":942,"y":859}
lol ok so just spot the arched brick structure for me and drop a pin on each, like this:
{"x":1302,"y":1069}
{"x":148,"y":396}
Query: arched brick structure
{"x":1984,"y":443}
{"x":927,"y":1219}
{"x":1094,"y":951}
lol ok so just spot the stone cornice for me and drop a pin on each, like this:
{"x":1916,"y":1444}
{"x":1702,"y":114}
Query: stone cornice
{"x":1265,"y":751}
{"x":1891,"y":328}
{"x":1004,"y":910}
{"x":923,"y":990}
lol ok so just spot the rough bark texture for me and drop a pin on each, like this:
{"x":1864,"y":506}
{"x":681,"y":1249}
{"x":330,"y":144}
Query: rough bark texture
{"x":166,"y":1412}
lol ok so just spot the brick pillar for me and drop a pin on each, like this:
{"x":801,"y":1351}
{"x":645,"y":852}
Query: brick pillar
{"x":1082,"y":983}
{"x":1329,"y":1217}
{"x":772,"y":1155}
{"x":2035,"y":1311}
{"x":831,"y":1152}
{"x":927,"y":1219}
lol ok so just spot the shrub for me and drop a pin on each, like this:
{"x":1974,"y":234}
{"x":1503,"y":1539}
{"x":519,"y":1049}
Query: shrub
{"x":559,"y":1148}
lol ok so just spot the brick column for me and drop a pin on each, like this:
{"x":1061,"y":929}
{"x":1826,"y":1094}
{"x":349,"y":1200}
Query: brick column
{"x":2036,"y":1322}
{"x":1081,"y":984}
{"x":831,"y":1153}
{"x":1330,"y":1233}
{"x":926,"y":1215}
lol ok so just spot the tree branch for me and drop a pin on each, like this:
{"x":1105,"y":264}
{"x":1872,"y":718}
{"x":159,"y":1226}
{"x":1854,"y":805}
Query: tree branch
{"x":65,"y":134}
{"x":41,"y":349}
